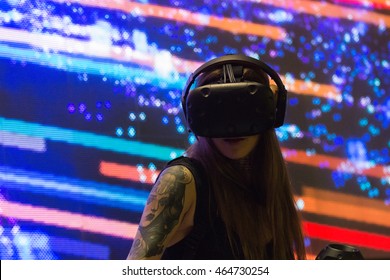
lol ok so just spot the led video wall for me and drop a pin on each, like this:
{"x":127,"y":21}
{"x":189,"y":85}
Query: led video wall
{"x":90,"y":113}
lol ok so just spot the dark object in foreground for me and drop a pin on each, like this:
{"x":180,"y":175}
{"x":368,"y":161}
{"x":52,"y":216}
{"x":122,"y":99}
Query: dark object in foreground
{"x":340,"y":252}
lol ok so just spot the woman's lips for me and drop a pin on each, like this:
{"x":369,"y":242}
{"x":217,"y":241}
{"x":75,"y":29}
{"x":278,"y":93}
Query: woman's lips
{"x":233,"y":140}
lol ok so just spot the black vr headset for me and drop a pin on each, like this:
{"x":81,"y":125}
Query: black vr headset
{"x":234,"y":107}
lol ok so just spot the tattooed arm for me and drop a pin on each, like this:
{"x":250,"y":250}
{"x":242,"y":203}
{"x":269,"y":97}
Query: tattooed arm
{"x":168,"y":214}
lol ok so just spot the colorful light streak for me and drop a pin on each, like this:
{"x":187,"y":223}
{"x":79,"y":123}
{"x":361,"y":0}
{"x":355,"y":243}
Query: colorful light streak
{"x":122,"y":54}
{"x":65,"y":219}
{"x":88,"y":66}
{"x":54,"y":44}
{"x":316,"y":201}
{"x":73,"y":189}
{"x":345,"y":206}
{"x":235,"y":26}
{"x":146,"y":150}
{"x":23,"y":142}
{"x":128,"y":172}
{"x":86,"y":223}
{"x":336,"y":163}
{"x":347,"y":236}
{"x":378,"y":4}
{"x":90,"y":140}
{"x":324,"y":9}
{"x":131,"y":173}
{"x":311,"y":88}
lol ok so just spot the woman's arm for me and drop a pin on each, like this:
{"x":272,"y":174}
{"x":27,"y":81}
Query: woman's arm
{"x":170,"y":199}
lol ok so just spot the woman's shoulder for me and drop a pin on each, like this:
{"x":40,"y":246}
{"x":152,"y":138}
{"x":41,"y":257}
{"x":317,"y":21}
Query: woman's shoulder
{"x":190,"y":166}
{"x":178,"y":174}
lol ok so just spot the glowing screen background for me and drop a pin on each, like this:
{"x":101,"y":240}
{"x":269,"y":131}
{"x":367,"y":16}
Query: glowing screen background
{"x":90,"y":113}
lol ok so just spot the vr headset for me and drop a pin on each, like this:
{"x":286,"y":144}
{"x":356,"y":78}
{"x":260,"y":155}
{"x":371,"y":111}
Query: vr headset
{"x":234,"y":107}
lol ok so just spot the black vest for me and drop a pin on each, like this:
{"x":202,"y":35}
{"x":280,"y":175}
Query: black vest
{"x":208,"y":238}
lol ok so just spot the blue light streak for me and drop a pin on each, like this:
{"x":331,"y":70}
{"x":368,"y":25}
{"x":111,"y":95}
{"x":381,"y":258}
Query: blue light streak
{"x":90,"y":140}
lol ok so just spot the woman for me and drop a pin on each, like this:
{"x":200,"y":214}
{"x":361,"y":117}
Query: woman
{"x":241,"y":208}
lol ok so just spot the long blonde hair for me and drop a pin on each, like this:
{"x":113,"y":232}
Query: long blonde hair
{"x":254,"y":197}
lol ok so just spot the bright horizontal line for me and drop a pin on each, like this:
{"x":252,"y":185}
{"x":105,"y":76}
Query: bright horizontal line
{"x":378,"y":4}
{"x":64,"y":219}
{"x":313,"y":89}
{"x":128,"y":172}
{"x":345,"y":206}
{"x":97,"y":141}
{"x":85,"y":223}
{"x":125,"y":54}
{"x":56,"y":43}
{"x":347,"y":236}
{"x":69,"y":188}
{"x":235,"y":26}
{"x":23,"y":142}
{"x":335,"y":163}
{"x":90,"y":140}
{"x":324,"y":9}
{"x":131,"y":173}
{"x":84,"y":65}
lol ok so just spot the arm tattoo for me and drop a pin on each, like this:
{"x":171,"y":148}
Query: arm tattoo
{"x":168,"y":197}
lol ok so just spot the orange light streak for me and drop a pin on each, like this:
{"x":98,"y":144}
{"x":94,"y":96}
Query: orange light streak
{"x":345,"y":206}
{"x":128,"y":172}
{"x":64,"y":219}
{"x":317,"y":201}
{"x":133,"y":173}
{"x":312,"y":88}
{"x":324,"y":9}
{"x":336,"y":163}
{"x":235,"y":26}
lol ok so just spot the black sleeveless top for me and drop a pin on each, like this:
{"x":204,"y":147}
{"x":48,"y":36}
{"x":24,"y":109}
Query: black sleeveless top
{"x":208,"y":238}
